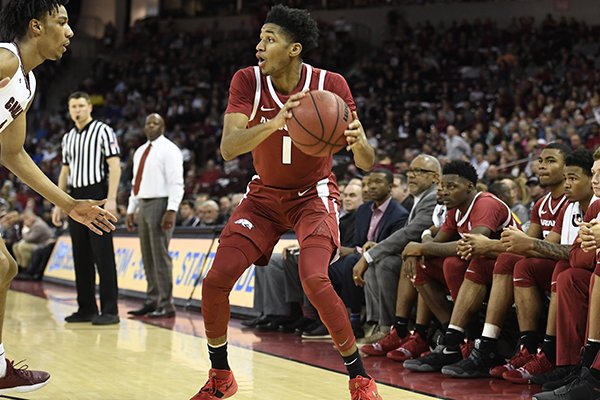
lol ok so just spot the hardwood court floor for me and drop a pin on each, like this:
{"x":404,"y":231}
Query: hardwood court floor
{"x":136,"y":360}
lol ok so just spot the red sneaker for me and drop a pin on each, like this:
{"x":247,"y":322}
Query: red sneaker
{"x":536,"y":366}
{"x":412,"y":347}
{"x":21,"y":379}
{"x":220,"y":385}
{"x":362,"y":388}
{"x":517,"y":361}
{"x":383,"y":346}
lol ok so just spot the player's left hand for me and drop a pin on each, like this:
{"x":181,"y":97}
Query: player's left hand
{"x":91,"y":214}
{"x":4,"y":82}
{"x":168,"y":220}
{"x":355,"y":134}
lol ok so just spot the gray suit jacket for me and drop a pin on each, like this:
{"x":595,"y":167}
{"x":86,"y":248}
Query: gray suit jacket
{"x":411,"y":232}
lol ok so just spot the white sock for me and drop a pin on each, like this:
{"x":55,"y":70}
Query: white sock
{"x":491,"y":331}
{"x":2,"y":361}
{"x":456,"y":328}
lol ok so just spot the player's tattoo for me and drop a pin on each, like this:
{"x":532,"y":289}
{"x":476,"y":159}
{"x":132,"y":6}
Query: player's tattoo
{"x":554,"y":251}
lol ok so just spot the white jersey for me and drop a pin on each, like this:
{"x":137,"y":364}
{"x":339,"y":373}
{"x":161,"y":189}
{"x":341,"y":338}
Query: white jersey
{"x":572,"y":217}
{"x":16,"y":96}
{"x":439,"y":215}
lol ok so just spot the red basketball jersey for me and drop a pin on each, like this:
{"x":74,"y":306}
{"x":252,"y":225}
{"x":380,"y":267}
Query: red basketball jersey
{"x":486,"y":210}
{"x":546,"y":210}
{"x":278,"y":162}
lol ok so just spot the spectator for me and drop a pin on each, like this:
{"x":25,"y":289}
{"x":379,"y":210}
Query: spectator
{"x":208,"y":213}
{"x":400,"y":192}
{"x":187,"y":214}
{"x":514,"y":202}
{"x":35,"y":234}
{"x":456,"y":147}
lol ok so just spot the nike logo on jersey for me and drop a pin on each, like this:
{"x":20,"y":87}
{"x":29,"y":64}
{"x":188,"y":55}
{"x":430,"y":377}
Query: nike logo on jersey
{"x":2,"y":124}
{"x":446,"y":351}
{"x":263,"y":108}
{"x":245,"y":223}
{"x":303,"y":193}
{"x":543,"y":212}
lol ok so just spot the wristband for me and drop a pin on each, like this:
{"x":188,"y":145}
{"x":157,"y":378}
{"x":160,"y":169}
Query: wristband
{"x":425,"y":233}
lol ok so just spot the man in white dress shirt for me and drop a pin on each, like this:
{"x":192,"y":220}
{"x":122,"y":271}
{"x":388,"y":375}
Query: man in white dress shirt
{"x":157,"y":190}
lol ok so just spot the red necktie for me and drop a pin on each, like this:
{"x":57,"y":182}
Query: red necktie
{"x":140,"y":171}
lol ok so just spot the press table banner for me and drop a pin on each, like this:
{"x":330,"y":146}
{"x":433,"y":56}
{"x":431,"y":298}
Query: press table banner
{"x":188,"y":262}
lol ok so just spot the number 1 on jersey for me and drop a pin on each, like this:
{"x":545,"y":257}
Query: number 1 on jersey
{"x":286,"y":156}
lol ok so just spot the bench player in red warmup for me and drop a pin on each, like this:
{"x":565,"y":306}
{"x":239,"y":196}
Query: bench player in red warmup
{"x":292,"y":191}
{"x":32,"y":31}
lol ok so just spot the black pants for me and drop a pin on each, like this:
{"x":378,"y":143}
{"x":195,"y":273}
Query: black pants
{"x":89,"y":249}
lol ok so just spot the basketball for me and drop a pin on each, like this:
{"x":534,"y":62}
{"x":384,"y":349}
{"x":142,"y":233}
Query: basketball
{"x":317,"y":125}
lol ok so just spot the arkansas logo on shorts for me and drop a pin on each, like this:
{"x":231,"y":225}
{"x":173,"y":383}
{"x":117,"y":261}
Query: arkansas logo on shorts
{"x":245,"y":223}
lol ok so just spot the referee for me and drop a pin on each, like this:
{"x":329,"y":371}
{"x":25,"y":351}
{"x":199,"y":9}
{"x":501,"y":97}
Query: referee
{"x":91,"y":169}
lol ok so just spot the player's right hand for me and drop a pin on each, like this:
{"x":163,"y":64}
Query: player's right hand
{"x":286,"y":112}
{"x":4,"y":82}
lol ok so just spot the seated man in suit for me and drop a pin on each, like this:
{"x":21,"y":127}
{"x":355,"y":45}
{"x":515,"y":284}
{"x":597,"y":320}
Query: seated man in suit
{"x":380,"y":263}
{"x":375,"y":221}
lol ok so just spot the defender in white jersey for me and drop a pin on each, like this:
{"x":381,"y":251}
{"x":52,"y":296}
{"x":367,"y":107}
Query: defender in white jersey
{"x":31,"y":32}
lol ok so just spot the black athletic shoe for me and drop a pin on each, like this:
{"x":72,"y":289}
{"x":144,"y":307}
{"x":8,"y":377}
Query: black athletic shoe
{"x":560,"y":376}
{"x":584,"y":387}
{"x":291,"y":326}
{"x":434,"y":361}
{"x":477,"y":365}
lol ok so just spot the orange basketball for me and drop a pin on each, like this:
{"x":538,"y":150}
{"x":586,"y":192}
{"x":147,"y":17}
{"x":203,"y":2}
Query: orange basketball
{"x":317,"y":125}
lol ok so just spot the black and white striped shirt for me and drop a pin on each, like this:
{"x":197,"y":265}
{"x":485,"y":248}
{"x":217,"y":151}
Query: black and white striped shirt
{"x":86,"y":151}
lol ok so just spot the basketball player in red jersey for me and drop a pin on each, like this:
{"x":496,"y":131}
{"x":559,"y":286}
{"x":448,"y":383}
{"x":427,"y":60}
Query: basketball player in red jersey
{"x":291,"y":191}
{"x":469,"y":212}
{"x":32,"y":31}
{"x":581,"y":379}
{"x":483,"y":359}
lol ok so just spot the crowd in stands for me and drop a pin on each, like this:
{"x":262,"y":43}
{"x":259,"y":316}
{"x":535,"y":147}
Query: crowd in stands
{"x":472,"y":90}
{"x":202,"y":8}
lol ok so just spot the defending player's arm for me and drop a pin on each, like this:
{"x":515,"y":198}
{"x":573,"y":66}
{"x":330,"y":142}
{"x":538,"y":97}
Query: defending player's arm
{"x":239,"y":139}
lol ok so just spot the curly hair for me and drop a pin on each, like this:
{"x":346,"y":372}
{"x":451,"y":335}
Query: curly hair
{"x":15,"y":16}
{"x":462,"y":169}
{"x":582,"y":158}
{"x":297,"y":23}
